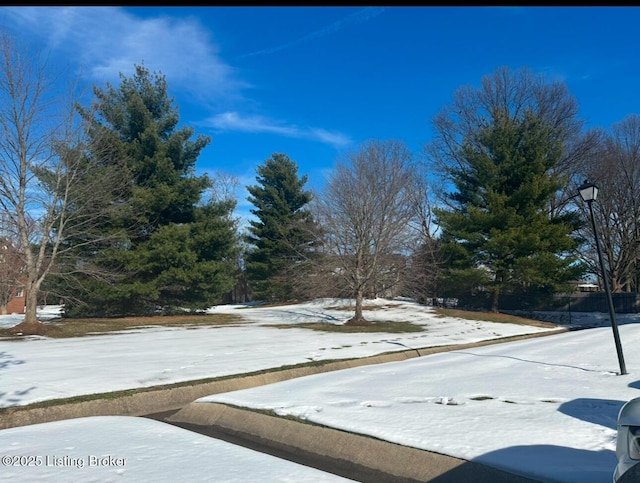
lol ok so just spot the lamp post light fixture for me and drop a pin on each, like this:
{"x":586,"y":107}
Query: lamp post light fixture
{"x":589,"y":192}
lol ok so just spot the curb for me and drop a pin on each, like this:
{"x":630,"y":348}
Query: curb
{"x":160,"y":399}
{"x":336,"y":449}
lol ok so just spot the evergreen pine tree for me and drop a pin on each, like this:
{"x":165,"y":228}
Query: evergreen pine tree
{"x":281,"y":236}
{"x":498,"y":231}
{"x":174,"y":251}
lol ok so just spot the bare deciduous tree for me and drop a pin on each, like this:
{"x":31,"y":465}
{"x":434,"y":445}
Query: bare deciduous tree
{"x":365,"y":211}
{"x":616,"y":171}
{"x":420,"y":279}
{"x":50,"y":188}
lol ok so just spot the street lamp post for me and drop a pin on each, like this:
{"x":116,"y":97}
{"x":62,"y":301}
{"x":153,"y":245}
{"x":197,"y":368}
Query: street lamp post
{"x":589,"y":193}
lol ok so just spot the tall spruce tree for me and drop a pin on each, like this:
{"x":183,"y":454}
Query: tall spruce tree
{"x":498,"y":231}
{"x":506,"y":152}
{"x":282,"y":237}
{"x":174,"y":251}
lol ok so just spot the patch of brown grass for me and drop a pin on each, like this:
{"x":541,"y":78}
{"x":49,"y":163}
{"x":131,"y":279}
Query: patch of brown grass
{"x":491,"y":317}
{"x":364,"y":307}
{"x":372,"y":327}
{"x":63,"y":327}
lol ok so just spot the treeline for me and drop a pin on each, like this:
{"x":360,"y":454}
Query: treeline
{"x":105,"y":211}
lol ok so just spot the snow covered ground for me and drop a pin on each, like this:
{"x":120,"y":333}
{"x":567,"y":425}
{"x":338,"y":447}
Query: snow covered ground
{"x":545,"y":408}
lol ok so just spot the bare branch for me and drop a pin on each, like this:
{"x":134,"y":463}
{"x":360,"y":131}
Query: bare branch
{"x":367,"y":211}
{"x":50,"y":190}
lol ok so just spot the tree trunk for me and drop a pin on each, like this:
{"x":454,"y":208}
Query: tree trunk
{"x":31,"y":304}
{"x":358,"y":318}
{"x":495,"y":302}
{"x":31,"y":325}
{"x":359,"y":299}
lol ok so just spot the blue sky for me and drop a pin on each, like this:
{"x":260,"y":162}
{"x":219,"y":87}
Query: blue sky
{"x":315,"y":82}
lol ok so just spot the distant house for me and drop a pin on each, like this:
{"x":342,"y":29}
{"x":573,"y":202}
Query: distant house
{"x":588,"y":287}
{"x":16,"y":304}
{"x":12,"y":297}
{"x":581,"y":286}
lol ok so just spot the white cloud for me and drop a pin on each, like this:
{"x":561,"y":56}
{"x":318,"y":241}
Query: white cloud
{"x":107,"y":41}
{"x":335,"y":139}
{"x":232,"y":121}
